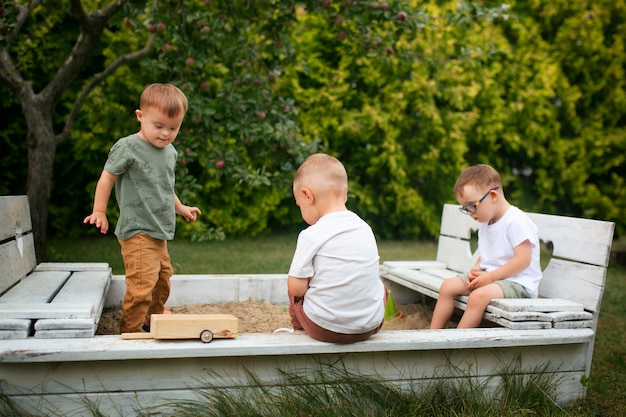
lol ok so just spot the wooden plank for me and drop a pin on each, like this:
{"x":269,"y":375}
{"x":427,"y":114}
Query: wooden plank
{"x":38,"y":287}
{"x":64,"y":333}
{"x":423,"y":280}
{"x":73,"y":266}
{"x":414,"y":264}
{"x":88,"y":286}
{"x":111,"y":348}
{"x":536,"y":304}
{"x":17,"y":260}
{"x":13,"y":334}
{"x":113,"y":384}
{"x":456,"y":224}
{"x":577,"y":324}
{"x":455,"y":254}
{"x":190,"y":326}
{"x":45,"y":310}
{"x":15,"y":218}
{"x":518,"y":315}
{"x":578,"y":282}
{"x":15,"y":324}
{"x":520,"y":325}
{"x":570,"y":315}
{"x":577,"y":239}
{"x":65,"y":324}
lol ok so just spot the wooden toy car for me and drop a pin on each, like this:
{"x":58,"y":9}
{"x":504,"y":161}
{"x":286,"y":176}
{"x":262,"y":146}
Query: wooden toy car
{"x":189,"y":326}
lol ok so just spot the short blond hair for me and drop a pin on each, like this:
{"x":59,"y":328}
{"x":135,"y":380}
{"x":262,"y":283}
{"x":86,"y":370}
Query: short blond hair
{"x":480,"y":176}
{"x":166,"y":97}
{"x":322,"y":172}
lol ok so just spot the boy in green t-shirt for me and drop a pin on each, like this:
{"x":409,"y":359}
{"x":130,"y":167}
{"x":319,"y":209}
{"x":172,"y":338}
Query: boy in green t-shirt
{"x":142,"y":167}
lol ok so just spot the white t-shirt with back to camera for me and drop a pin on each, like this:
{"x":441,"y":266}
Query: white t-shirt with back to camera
{"x":340,"y":254}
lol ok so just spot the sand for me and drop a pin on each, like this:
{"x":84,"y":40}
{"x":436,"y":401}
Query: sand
{"x":255,"y":317}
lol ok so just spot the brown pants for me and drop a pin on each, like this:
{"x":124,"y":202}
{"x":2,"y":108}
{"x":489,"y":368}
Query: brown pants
{"x":148,"y":273}
{"x":300,"y":321}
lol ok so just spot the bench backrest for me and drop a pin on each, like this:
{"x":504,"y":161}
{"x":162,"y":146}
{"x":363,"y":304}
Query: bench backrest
{"x":581,"y":250}
{"x":17,"y":246}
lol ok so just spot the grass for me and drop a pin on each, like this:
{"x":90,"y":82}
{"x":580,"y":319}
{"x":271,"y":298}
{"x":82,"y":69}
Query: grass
{"x":272,"y":254}
{"x":266,"y":254}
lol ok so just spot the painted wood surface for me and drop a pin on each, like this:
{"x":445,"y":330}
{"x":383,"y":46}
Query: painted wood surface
{"x":120,"y":374}
{"x":124,"y":377}
{"x":573,"y":279}
{"x":203,"y":327}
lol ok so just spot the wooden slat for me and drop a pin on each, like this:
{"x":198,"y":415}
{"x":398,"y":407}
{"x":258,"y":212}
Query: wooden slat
{"x":88,"y":286}
{"x":557,"y":316}
{"x":582,"y":240}
{"x":17,"y":259}
{"x":73,"y":266}
{"x":15,"y":324}
{"x":576,"y":324}
{"x":456,"y":224}
{"x":13,"y":334}
{"x":414,"y":264}
{"x":455,"y":253}
{"x":45,"y":310}
{"x":38,"y":287}
{"x":518,"y":315}
{"x":64,"y":334}
{"x":536,"y":304}
{"x":15,"y":218}
{"x":574,"y":281}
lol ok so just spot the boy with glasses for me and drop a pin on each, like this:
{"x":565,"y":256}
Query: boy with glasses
{"x":508,"y":244}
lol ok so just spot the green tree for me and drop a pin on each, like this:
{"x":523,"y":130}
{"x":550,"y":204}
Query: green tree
{"x":237,"y":42}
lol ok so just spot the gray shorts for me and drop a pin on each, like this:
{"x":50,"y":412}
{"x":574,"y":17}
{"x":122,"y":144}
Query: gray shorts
{"x":509,"y":288}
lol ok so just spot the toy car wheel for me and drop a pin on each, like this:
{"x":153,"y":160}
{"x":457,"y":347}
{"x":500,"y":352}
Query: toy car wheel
{"x":206,"y":336}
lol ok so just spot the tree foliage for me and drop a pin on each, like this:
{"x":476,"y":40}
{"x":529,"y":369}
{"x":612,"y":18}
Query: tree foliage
{"x":405,"y":93}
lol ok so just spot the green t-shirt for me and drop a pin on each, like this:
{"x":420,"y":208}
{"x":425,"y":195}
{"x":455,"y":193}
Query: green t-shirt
{"x":145,"y":187}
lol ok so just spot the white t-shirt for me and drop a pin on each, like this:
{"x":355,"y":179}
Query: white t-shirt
{"x":497,"y":242}
{"x":340,"y":254}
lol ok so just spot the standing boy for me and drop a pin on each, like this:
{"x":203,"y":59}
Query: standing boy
{"x":142,"y":167}
{"x":508,"y":244}
{"x":335,"y":292}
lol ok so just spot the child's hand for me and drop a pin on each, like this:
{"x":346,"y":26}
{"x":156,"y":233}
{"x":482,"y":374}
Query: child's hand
{"x":473,"y":278}
{"x":189,"y":213}
{"x":99,"y":219}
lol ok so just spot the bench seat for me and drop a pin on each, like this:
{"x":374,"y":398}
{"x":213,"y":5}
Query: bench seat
{"x":49,"y":300}
{"x":526,"y":313}
{"x":57,"y":300}
{"x":573,"y":278}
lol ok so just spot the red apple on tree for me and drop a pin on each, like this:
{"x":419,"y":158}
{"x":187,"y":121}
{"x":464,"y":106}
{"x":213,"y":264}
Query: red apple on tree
{"x":220,"y":164}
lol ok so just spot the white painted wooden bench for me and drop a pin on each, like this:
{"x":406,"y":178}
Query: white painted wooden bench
{"x":573,"y":281}
{"x":56,"y":377}
{"x":49,"y":300}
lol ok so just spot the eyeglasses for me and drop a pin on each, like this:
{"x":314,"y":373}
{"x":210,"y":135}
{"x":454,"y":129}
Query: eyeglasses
{"x":471,"y":208}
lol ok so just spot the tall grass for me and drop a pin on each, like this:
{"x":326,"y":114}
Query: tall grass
{"x":272,"y":254}
{"x":331,"y":390}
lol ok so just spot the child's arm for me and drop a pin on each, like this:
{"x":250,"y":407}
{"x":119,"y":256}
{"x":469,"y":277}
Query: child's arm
{"x":520,"y":261}
{"x":297,"y":287}
{"x":189,"y":213}
{"x":100,"y":201}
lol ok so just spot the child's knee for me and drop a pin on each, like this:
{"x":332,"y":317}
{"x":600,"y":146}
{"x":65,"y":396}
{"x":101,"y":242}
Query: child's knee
{"x":452,"y":286}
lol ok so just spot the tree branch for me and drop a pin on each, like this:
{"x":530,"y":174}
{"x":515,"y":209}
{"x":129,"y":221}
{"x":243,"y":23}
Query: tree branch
{"x":97,"y":79}
{"x":92,"y":26}
{"x":8,"y":72}
{"x":22,"y":15}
